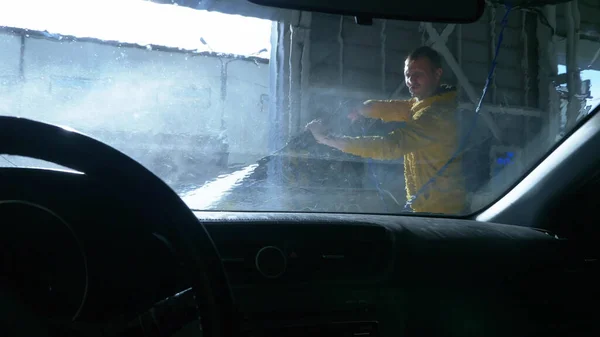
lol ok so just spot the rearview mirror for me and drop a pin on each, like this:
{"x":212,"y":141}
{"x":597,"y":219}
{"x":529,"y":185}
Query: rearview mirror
{"x":450,"y":11}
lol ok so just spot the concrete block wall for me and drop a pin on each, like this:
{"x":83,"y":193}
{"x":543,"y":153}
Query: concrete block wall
{"x":9,"y":72}
{"x":365,"y":48}
{"x":589,"y":34}
{"x":589,"y":11}
{"x":95,"y":86}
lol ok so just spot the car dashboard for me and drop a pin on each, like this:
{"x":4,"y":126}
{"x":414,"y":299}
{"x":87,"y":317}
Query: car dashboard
{"x":291,"y":274}
{"x":361,"y":275}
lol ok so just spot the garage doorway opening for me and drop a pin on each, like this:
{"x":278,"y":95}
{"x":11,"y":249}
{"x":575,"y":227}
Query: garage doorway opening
{"x":589,"y":94}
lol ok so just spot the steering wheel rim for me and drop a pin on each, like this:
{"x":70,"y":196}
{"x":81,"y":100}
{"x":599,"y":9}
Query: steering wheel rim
{"x":69,"y":148}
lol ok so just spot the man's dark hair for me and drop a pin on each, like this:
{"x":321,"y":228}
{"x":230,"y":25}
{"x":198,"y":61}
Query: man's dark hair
{"x":428,"y":52}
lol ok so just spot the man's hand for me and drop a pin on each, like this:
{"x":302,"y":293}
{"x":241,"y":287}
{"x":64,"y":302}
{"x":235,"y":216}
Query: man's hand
{"x":355,"y":115}
{"x":318,"y":130}
{"x":362,"y":111}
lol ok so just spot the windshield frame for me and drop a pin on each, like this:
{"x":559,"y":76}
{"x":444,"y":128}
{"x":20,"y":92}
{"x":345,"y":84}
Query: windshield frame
{"x":537,"y":163}
{"x":529,"y":166}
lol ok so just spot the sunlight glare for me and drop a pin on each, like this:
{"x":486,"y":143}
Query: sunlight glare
{"x":141,"y":22}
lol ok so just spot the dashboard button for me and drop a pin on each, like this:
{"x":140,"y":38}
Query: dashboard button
{"x":271,"y":262}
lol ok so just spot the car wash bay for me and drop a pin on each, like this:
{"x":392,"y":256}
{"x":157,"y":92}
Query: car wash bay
{"x":321,"y":65}
{"x":322,"y":62}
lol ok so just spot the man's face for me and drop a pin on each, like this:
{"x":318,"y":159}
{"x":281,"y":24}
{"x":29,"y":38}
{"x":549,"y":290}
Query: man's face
{"x":421,"y":77}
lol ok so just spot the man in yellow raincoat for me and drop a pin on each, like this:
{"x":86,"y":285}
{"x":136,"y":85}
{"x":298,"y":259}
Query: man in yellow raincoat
{"x":429,"y":139}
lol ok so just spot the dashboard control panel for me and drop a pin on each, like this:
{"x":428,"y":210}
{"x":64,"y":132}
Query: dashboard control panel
{"x":306,"y":253}
{"x":334,"y":329}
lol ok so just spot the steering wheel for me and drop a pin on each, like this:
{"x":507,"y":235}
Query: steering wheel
{"x":24,"y":137}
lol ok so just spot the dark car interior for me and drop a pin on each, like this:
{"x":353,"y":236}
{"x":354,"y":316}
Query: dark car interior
{"x":111,"y":250}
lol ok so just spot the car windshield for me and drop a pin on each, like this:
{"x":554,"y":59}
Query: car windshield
{"x":240,"y":107}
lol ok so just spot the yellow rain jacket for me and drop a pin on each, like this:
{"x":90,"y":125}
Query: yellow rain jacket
{"x":429,"y":139}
